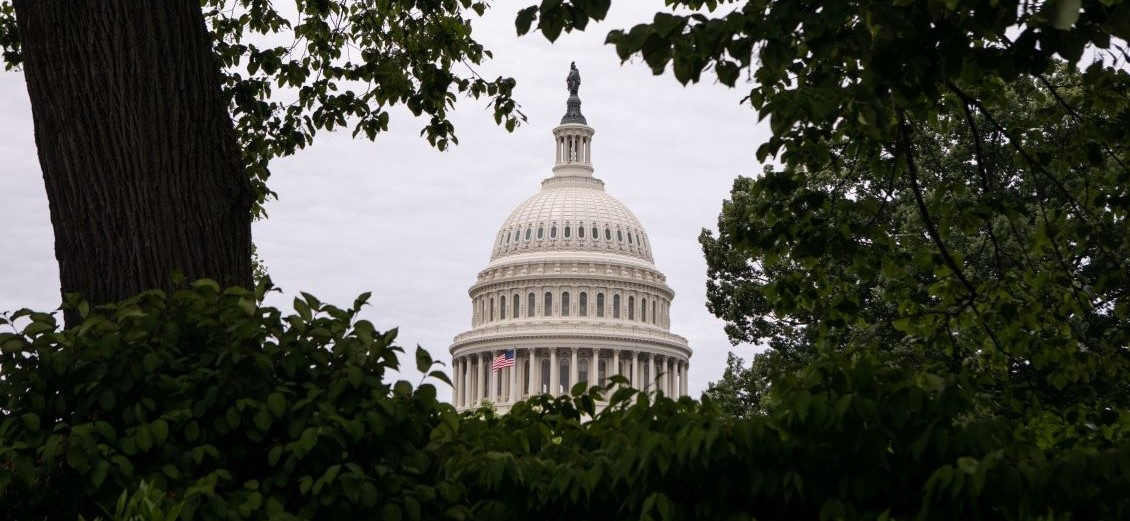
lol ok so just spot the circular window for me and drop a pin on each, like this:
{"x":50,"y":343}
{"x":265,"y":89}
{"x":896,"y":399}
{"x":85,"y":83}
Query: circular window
{"x":541,"y":232}
{"x":552,"y":232}
{"x":566,"y":232}
{"x":607,"y":234}
{"x":581,"y":232}
{"x":528,"y":232}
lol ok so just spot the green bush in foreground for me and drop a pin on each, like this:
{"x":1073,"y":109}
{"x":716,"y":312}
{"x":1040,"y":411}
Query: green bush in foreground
{"x":226,"y":409}
{"x":229,"y":406}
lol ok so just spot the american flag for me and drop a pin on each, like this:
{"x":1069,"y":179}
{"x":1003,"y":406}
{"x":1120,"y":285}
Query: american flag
{"x":506,"y":359}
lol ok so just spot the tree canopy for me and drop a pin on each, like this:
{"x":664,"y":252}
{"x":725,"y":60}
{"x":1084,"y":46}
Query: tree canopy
{"x":953,"y":184}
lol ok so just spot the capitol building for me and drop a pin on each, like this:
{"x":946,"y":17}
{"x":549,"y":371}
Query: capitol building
{"x":571,"y":293}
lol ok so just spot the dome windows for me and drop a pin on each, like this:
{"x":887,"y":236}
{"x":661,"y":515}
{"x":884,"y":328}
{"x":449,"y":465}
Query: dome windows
{"x":584,"y":304}
{"x":629,"y":237}
{"x":517,"y":301}
{"x":607,"y":233}
{"x":619,"y":236}
{"x":541,"y":232}
{"x":615,"y":306}
{"x":529,"y":231}
{"x":565,"y":304}
{"x":567,"y":230}
{"x":631,"y":308}
{"x":581,"y":232}
{"x":548,"y":310}
{"x":530,"y":303}
{"x":600,"y":305}
{"x":595,"y":233}
{"x":502,"y":308}
{"x":553,"y":232}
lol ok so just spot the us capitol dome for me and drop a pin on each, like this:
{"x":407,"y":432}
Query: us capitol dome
{"x":571,"y":293}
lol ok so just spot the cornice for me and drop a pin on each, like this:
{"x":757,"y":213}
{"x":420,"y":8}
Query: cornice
{"x":564,"y":330}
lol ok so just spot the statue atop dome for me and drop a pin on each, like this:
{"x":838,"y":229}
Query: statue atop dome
{"x":573,"y":81}
{"x":573,"y":106}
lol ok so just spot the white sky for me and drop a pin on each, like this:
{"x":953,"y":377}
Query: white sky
{"x":414,"y":225}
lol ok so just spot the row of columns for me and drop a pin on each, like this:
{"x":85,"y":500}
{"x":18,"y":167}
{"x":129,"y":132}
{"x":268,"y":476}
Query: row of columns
{"x":475,"y":380}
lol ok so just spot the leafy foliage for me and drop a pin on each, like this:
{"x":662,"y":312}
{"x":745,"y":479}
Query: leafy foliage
{"x":335,"y":64}
{"x":848,"y":438}
{"x":205,"y":404}
{"x":234,"y":409}
{"x":953,"y":187}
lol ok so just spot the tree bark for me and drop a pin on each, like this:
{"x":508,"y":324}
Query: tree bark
{"x":138,"y":152}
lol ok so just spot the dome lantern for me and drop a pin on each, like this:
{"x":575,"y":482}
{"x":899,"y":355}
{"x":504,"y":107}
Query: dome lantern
{"x":573,"y":136}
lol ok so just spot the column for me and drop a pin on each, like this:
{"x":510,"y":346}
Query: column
{"x":649,"y":385}
{"x":686,"y":369}
{"x":668,"y":378}
{"x":554,"y":373}
{"x":466,"y":380}
{"x":573,"y":370}
{"x":636,"y":370}
{"x":532,"y":372}
{"x":492,"y":376}
{"x":483,"y":379}
{"x":514,"y":378}
{"x":615,"y":362}
{"x":456,"y":382}
{"x":594,"y":368}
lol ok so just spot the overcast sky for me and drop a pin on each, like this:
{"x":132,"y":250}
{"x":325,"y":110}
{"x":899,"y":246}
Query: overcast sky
{"x":415,"y":226}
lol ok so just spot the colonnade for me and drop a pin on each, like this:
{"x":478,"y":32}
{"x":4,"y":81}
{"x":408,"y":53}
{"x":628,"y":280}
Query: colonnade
{"x":475,"y":380}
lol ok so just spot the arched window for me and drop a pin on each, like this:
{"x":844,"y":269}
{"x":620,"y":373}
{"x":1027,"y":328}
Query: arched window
{"x":615,"y":306}
{"x":517,"y":305}
{"x":629,"y":237}
{"x":548,"y":311}
{"x":553,"y":232}
{"x":619,"y":236}
{"x":546,"y":374}
{"x":580,"y":232}
{"x":631,"y":308}
{"x":653,"y":313}
{"x":583,"y":371}
{"x":595,"y":233}
{"x":602,"y":371}
{"x":528,"y":232}
{"x":565,"y":304}
{"x":643,"y":310}
{"x":607,"y":234}
{"x":492,"y":309}
{"x":530,"y":303}
{"x":541,"y":232}
{"x":517,"y":235}
{"x":600,"y":304}
{"x":584,"y":305}
{"x":502,"y":308}
{"x":564,"y":376}
{"x":567,"y":230}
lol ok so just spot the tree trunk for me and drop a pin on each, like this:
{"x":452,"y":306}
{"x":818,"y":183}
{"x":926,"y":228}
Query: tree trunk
{"x":139,"y":156}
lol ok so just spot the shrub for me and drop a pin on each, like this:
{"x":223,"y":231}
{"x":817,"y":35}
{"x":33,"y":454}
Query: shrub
{"x":234,"y":409}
